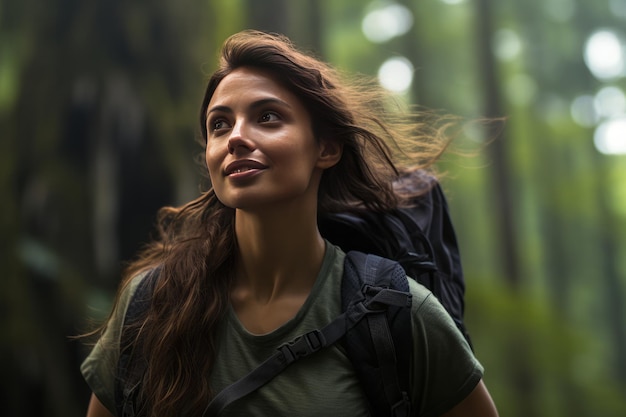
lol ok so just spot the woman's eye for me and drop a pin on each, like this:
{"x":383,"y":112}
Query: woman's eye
{"x":218,"y":124}
{"x":269,"y":117}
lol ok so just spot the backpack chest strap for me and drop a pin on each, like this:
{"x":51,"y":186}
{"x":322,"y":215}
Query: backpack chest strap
{"x":306,"y":345}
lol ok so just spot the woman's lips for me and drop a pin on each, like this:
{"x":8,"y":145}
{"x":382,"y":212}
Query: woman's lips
{"x":243,"y":167}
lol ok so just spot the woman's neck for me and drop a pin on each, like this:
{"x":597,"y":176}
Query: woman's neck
{"x":280,"y":253}
{"x":280,"y":256}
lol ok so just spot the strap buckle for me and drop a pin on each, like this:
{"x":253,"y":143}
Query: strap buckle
{"x":302,"y":346}
{"x":403,"y":407}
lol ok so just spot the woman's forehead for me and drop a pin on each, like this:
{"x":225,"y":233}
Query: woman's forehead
{"x":249,"y":84}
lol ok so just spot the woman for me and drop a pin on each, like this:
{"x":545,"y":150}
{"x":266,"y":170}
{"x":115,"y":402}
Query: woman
{"x":244,"y":268}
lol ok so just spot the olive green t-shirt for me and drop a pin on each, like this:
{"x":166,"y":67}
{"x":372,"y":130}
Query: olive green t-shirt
{"x":443,"y":370}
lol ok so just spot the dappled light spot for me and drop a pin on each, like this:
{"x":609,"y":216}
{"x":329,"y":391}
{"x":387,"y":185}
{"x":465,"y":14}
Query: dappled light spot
{"x":583,"y":111}
{"x":610,"y":136}
{"x":604,"y":55}
{"x":385,"y":23}
{"x":396,"y":74}
{"x":610,"y":102}
{"x":507,"y":44}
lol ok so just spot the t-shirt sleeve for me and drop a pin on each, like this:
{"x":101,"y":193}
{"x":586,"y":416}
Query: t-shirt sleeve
{"x":99,"y":367}
{"x":445,"y":370}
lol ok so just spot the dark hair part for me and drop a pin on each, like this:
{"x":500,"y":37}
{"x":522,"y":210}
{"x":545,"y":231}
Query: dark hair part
{"x":197,"y":245}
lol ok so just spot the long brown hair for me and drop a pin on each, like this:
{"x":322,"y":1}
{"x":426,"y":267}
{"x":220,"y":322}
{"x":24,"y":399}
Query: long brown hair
{"x":197,"y":245}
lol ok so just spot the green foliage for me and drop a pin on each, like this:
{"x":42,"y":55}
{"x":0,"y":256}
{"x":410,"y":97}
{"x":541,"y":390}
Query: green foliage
{"x":565,"y":362}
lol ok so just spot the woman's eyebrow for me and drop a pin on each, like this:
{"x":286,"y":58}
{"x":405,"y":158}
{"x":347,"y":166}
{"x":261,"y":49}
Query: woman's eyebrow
{"x":223,"y":109}
{"x":254,"y":105}
{"x":270,"y":100}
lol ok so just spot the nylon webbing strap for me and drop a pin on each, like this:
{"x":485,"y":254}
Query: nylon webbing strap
{"x":130,"y":368}
{"x":301,"y":347}
{"x":383,"y":344}
{"x":288,"y":353}
{"x":383,"y":340}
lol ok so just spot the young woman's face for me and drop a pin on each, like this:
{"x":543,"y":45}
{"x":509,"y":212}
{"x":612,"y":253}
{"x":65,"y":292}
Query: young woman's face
{"x":260,"y":145}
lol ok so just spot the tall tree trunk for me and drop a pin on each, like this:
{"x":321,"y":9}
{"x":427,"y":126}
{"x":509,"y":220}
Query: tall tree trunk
{"x":503,"y":200}
{"x":313,"y":32}
{"x":521,"y":374}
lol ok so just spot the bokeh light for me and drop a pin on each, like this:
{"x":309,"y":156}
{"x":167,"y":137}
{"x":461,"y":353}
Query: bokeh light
{"x":610,"y":102}
{"x":604,"y":55}
{"x":385,"y":23}
{"x":583,"y":111}
{"x":507,"y":44}
{"x":610,"y":137}
{"x":396,"y":74}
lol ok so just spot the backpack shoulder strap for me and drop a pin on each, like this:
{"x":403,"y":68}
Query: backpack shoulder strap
{"x":129,"y":368}
{"x":380,"y":346}
{"x":376,"y":300}
{"x":374,"y":293}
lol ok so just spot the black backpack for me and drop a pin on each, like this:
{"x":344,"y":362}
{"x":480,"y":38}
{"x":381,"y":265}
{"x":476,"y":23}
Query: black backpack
{"x":374,"y":326}
{"x":420,"y":237}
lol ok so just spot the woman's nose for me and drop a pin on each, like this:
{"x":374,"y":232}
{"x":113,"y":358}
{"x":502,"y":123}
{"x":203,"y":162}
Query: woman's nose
{"x":238,"y":139}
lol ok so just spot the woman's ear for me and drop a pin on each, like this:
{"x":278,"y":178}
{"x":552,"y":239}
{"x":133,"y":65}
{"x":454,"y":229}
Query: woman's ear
{"x":330,"y":153}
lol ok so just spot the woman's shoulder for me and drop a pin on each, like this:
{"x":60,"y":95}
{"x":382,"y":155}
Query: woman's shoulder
{"x":126,"y":298}
{"x":100,"y":365}
{"x":419,"y":292}
{"x":425,"y":304}
{"x":141,"y":278}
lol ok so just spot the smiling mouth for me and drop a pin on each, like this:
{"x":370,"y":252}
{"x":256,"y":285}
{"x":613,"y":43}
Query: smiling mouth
{"x":243,"y":170}
{"x":239,"y":168}
{"x":243,"y":174}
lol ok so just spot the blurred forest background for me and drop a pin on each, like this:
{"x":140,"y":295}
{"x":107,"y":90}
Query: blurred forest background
{"x":98,"y":122}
